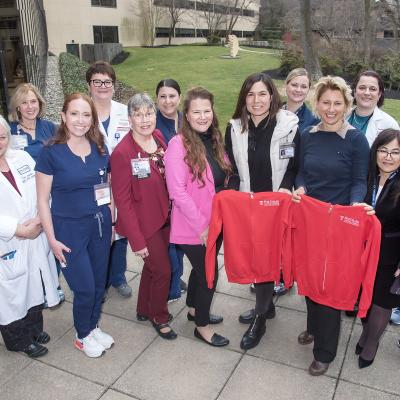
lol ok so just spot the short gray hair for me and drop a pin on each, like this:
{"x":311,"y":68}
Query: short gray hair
{"x":138,"y":101}
{"x":5,"y":125}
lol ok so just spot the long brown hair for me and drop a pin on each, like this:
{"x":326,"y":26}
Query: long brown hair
{"x":93,"y":134}
{"x":241,"y":108}
{"x":195,"y":151}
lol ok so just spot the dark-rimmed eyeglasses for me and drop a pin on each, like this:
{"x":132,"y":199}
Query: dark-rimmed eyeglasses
{"x":99,"y":83}
{"x":395,"y":154}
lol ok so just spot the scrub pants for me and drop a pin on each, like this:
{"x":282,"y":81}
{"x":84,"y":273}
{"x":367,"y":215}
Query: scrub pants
{"x":176,"y":260}
{"x":18,"y":335}
{"x":89,"y":239}
{"x":156,"y":276}
{"x":117,"y":263}
{"x":324,"y":323}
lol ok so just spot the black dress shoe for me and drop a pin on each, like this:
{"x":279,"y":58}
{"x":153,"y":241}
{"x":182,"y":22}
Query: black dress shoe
{"x":143,"y":318}
{"x":35,"y":350}
{"x":362,"y":363}
{"x":254,"y":333}
{"x":42,"y":338}
{"x":305,"y":338}
{"x":216,"y":340}
{"x":170,"y":335}
{"x":359,"y":349}
{"x":318,"y":368}
{"x":247,"y":316}
{"x":214,"y":319}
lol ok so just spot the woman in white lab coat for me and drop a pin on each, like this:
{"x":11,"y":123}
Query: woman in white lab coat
{"x":25,"y":258}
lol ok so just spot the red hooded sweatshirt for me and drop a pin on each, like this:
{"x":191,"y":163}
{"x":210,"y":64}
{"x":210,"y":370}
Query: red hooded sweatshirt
{"x":256,"y":235}
{"x":335,"y":250}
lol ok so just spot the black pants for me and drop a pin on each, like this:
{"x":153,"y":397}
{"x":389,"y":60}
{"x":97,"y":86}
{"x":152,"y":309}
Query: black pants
{"x":18,"y":335}
{"x":199,"y":296}
{"x":324,"y":323}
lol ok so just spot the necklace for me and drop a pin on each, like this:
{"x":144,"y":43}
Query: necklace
{"x":27,"y":127}
{"x":360,"y":124}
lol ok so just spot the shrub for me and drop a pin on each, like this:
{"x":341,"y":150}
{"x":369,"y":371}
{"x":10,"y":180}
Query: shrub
{"x":291,"y":58}
{"x":330,"y":66}
{"x":388,"y":67}
{"x":73,"y":70}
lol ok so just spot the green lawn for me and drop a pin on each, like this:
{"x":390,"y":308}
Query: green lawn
{"x":193,"y":66}
{"x":204,"y":65}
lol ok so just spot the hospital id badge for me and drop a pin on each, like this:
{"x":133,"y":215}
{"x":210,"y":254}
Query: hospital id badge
{"x":102,"y":193}
{"x":286,"y":151}
{"x":19,"y":142}
{"x":141,"y":167}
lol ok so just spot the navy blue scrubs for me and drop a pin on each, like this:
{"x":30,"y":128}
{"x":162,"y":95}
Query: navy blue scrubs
{"x":81,"y":225}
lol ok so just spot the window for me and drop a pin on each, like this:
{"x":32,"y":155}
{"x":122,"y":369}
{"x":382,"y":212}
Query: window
{"x":184,"y":32}
{"x":249,"y":13}
{"x":162,"y":32}
{"x":388,"y":34}
{"x":105,"y":34}
{"x":104,"y":3}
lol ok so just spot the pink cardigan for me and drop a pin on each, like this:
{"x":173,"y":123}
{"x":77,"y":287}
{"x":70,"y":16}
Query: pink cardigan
{"x":191,"y":202}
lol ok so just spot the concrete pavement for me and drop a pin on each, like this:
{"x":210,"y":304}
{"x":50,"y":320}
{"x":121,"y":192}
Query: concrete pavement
{"x":143,"y":366}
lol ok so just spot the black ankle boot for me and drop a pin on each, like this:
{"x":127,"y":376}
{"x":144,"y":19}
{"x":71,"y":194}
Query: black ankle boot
{"x":254,"y":333}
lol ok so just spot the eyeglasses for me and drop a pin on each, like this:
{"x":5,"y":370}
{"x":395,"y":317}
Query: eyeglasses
{"x":384,"y":153}
{"x":140,"y":116}
{"x":99,"y":83}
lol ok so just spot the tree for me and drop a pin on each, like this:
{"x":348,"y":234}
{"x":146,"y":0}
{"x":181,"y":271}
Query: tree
{"x":150,"y":15}
{"x":367,"y":30}
{"x":235,"y":9}
{"x":310,"y":56}
{"x":175,"y":11}
{"x":213,"y":15}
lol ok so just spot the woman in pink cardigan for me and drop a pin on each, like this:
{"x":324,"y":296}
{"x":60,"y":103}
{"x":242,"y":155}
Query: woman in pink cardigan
{"x":196,"y":168}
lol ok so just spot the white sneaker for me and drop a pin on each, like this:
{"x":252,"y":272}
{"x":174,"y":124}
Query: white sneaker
{"x":90,"y":346}
{"x":103,"y":338}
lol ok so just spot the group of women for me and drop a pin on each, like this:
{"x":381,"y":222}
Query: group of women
{"x":149,"y":175}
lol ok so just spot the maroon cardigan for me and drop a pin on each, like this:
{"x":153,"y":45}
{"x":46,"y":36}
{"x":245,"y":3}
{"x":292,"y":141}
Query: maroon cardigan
{"x":142,"y":204}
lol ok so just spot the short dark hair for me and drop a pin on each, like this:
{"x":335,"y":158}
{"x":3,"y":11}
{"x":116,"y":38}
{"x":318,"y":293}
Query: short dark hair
{"x":381,"y":85}
{"x":100,"y":67}
{"x":172,"y":83}
{"x":241,"y":109}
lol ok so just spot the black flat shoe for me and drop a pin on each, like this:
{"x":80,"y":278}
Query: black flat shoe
{"x":359,"y":349}
{"x":254,"y":333}
{"x":42,"y":338}
{"x":216,"y":340}
{"x":170,"y":335}
{"x":143,"y":318}
{"x":214,"y":319}
{"x":35,"y":350}
{"x":247,"y":316}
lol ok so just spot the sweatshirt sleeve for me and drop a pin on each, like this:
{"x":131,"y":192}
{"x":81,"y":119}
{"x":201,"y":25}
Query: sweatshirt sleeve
{"x":369,"y":262}
{"x":213,"y":233}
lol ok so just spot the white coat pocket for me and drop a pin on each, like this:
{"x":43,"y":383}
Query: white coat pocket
{"x":12,"y":268}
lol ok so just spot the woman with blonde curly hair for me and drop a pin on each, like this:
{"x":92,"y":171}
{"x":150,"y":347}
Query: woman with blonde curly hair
{"x":333,"y":168}
{"x":196,"y":169}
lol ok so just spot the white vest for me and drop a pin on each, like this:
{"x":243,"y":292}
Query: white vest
{"x":285,"y":130}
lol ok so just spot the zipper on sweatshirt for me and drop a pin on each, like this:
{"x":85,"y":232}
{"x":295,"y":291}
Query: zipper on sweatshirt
{"x":330,"y":212}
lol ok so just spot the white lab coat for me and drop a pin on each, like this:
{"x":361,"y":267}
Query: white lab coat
{"x":20,"y":277}
{"x":378,"y":122}
{"x":118,"y":127}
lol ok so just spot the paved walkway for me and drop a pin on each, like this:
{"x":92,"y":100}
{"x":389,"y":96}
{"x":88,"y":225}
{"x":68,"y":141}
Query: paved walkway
{"x":143,"y":366}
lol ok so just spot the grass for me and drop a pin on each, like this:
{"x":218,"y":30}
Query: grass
{"x":196,"y":66}
{"x":203,"y":65}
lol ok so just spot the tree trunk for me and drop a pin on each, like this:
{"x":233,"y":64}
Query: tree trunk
{"x":310,"y":57}
{"x":367,"y":31}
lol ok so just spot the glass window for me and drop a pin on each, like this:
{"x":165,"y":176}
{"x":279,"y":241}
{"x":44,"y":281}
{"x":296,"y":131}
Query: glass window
{"x":104,"y":3}
{"x":105,"y":34}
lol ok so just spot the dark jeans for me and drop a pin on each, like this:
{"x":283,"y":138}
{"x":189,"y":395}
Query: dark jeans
{"x":324,"y":323}
{"x":18,"y":335}
{"x":117,"y":263}
{"x":176,"y":260}
{"x":199,"y":296}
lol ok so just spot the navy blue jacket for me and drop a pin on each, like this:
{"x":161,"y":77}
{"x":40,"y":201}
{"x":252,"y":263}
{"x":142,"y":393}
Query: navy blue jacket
{"x":306,"y":118}
{"x":167,"y":125}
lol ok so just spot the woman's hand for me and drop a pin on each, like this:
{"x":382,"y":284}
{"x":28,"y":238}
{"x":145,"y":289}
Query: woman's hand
{"x":29,"y":230}
{"x":58,"y":248}
{"x":397,"y":273}
{"x":204,"y":236}
{"x":367,"y":208}
{"x":296,"y":195}
{"x":112,"y":234}
{"x":283,"y":190}
{"x":142,"y":253}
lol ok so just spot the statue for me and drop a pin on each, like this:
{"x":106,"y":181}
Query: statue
{"x":233,"y":44}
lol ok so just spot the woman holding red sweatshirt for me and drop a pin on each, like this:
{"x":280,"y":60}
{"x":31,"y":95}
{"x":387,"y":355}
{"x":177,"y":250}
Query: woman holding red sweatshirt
{"x":196,"y":168}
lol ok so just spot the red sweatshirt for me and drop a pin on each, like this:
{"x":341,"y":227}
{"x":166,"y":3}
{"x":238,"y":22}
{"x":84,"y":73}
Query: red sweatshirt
{"x":256,"y":232}
{"x":335,"y":250}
